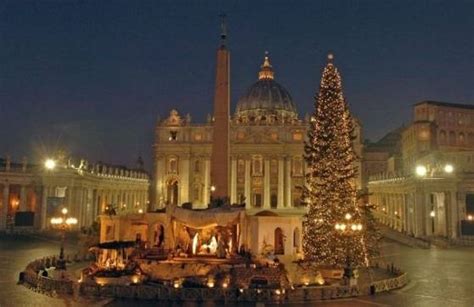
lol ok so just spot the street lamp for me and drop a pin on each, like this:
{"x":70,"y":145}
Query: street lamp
{"x":62,"y":223}
{"x":348,"y":229}
{"x":421,"y":171}
{"x":50,"y":164}
{"x":448,"y":168}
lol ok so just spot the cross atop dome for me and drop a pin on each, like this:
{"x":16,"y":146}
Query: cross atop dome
{"x":266,"y":71}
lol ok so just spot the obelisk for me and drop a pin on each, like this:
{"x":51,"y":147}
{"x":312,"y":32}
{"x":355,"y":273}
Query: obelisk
{"x":220,"y":144}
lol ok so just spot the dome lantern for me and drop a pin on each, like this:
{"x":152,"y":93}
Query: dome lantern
{"x":266,"y":71}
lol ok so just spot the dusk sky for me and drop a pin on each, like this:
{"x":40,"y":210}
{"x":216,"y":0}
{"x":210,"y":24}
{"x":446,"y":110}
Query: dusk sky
{"x":92,"y":76}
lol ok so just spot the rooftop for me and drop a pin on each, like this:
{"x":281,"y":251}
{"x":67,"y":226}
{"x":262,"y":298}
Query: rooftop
{"x":446,"y":104}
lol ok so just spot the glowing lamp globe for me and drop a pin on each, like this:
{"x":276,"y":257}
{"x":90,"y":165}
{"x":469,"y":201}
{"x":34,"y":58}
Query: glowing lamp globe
{"x":421,"y":170}
{"x":49,"y":164}
{"x":448,"y":168}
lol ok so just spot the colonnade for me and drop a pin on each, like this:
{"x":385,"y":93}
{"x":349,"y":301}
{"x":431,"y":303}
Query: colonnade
{"x":84,"y":202}
{"x":420,"y":212}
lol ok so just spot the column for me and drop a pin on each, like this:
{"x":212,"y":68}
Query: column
{"x":6,"y":197}
{"x":44,"y":203}
{"x":454,"y":214}
{"x":248,"y":185}
{"x":281,"y":183}
{"x":183,"y":193}
{"x":207,"y":181}
{"x":160,"y":184}
{"x":266,"y":184}
{"x":288,"y":202}
{"x":233,"y":181}
{"x":23,"y":198}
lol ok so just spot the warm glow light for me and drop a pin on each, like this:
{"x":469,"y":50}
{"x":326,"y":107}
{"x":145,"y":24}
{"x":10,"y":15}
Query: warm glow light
{"x":343,"y":226}
{"x":195,"y":243}
{"x":210,"y":284}
{"x":140,"y":211}
{"x":56,"y":220}
{"x":213,"y":245}
{"x":135,"y":279}
{"x":432,"y":213}
{"x":359,"y":227}
{"x":470,"y":217}
{"x":225,"y":285}
{"x":354,"y":227}
{"x":448,"y":168}
{"x":213,"y":188}
{"x":348,"y":216}
{"x":50,"y":164}
{"x":277,"y":291}
{"x":337,"y":226}
{"x":64,"y":210}
{"x":176,"y":284}
{"x":71,"y":221}
{"x":421,"y":171}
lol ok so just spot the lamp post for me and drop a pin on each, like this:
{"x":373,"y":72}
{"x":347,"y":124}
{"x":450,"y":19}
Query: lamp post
{"x":348,"y":228}
{"x":62,"y":223}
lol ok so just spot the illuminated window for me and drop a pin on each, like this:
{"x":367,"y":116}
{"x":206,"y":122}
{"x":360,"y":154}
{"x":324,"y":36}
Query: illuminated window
{"x":198,"y":137}
{"x":297,"y":136}
{"x":173,"y":135}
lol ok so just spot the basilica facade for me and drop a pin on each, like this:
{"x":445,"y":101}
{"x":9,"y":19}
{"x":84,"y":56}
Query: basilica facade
{"x":266,"y":137}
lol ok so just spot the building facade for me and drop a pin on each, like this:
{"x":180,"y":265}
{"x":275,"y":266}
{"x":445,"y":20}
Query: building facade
{"x":266,"y":152}
{"x":430,"y":192}
{"x":32,"y":194}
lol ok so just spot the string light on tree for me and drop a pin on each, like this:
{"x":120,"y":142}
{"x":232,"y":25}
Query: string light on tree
{"x":330,"y":181}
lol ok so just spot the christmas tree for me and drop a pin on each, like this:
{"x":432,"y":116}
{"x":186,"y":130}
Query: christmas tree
{"x":371,"y":233}
{"x":333,"y":230}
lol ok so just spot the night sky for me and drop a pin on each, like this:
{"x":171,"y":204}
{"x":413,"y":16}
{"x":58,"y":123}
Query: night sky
{"x":92,"y":76}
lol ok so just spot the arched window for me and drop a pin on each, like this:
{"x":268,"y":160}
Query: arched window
{"x":461,"y":138}
{"x":173,"y":165}
{"x":279,"y":242}
{"x":442,"y":137}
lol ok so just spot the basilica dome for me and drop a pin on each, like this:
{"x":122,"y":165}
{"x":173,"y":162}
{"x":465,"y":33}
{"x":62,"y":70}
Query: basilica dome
{"x":266,"y":101}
